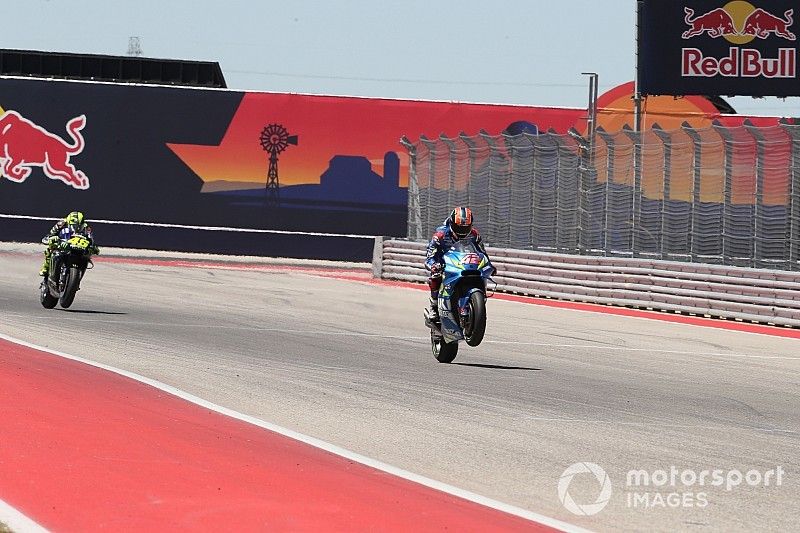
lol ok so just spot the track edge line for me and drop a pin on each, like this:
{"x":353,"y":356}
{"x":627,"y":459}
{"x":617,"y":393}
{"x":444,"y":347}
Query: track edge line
{"x":17,"y":521}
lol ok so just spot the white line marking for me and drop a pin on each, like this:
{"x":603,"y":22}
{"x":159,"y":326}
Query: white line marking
{"x":16,"y":521}
{"x":663,"y":425}
{"x":317,"y":443}
{"x":201,"y":228}
{"x":648,"y":350}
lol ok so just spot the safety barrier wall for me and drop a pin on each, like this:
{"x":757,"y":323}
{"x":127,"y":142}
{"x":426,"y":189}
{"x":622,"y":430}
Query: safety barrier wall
{"x":767,"y":296}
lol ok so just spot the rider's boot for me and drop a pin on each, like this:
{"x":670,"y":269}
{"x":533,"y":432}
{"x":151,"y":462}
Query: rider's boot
{"x":433,"y":308}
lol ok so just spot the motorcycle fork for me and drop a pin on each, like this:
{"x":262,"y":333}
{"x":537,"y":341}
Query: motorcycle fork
{"x":62,"y":275}
{"x":54,"y":271}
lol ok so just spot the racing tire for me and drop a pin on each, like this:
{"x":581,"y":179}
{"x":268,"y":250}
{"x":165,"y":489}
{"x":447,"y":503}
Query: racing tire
{"x":70,"y":287}
{"x":48,"y":300}
{"x":444,"y":352}
{"x":476,"y":326}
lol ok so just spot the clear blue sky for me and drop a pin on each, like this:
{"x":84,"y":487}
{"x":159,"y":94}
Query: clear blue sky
{"x":513,"y":51}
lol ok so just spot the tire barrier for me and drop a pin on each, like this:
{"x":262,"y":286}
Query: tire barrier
{"x":748,"y":294}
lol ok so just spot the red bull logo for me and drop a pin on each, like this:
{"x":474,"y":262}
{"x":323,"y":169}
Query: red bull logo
{"x":24,"y":145}
{"x":762,"y":23}
{"x":739,"y":22}
{"x":715,"y":23}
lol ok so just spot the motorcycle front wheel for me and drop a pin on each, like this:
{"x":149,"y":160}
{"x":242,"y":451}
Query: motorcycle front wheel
{"x":71,"y":286}
{"x":475,"y":326}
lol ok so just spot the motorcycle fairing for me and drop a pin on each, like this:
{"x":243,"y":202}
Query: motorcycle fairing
{"x":460,"y":261}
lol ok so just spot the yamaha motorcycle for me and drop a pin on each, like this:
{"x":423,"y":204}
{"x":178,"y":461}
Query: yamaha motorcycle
{"x":68,"y":264}
{"x":462,"y":301}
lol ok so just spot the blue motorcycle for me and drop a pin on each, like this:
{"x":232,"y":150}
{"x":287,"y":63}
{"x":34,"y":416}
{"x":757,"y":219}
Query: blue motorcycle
{"x":462,"y":301}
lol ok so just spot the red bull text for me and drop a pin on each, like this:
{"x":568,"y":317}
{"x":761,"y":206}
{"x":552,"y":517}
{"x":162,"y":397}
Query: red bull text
{"x":744,"y":62}
{"x":739,"y":22}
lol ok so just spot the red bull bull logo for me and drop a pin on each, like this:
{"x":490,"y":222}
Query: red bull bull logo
{"x":715,"y":23}
{"x":739,"y":22}
{"x":762,"y":23}
{"x":24,"y":145}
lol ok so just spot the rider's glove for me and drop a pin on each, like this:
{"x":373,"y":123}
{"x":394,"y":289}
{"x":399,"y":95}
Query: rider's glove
{"x":53,"y":240}
{"x":436,"y":270}
{"x":95,"y":250}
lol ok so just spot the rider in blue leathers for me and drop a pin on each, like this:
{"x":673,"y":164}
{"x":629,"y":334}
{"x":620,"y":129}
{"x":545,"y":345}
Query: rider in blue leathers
{"x":456,"y":227}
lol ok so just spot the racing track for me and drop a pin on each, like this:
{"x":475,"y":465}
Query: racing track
{"x":348,"y":362}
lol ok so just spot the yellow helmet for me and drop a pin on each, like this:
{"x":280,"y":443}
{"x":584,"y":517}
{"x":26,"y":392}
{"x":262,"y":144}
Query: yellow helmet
{"x":75,"y":218}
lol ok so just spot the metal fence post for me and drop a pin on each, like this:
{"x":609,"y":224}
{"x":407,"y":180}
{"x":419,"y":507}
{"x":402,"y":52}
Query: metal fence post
{"x":414,"y":221}
{"x":727,"y":256}
{"x":520,"y":149}
{"x":474,"y":171}
{"x":637,"y":188}
{"x":510,"y":149}
{"x":462,"y":138}
{"x":535,"y":191}
{"x":491,"y":222}
{"x":759,"y":235}
{"x":585,"y":158}
{"x":794,"y":196}
{"x":666,"y":139}
{"x":696,"y":177}
{"x":610,"y":168}
{"x":568,"y":193}
{"x":451,"y":174}
{"x":430,"y":145}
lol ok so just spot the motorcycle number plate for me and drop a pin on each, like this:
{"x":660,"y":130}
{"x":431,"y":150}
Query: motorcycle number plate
{"x":78,"y":241}
{"x":472,"y":259}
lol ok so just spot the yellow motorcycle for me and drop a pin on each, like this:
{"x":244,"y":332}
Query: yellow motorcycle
{"x":68,"y":264}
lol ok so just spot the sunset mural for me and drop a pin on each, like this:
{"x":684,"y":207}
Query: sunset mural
{"x":328,"y":126}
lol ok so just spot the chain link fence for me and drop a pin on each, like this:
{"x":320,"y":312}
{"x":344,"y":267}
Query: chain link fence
{"x":717,"y":195}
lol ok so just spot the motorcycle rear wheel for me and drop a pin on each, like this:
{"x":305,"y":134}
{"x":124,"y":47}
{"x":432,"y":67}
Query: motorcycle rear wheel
{"x":444,"y":352}
{"x":48,"y":300}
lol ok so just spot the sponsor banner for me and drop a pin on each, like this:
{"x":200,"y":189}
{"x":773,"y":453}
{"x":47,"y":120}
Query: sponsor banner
{"x":718,"y":47}
{"x":300,"y":163}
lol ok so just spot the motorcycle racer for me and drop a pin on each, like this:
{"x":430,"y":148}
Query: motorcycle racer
{"x":457,"y":226}
{"x":76,"y":223}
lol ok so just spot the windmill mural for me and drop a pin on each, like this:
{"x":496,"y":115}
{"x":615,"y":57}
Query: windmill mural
{"x":275,"y":139}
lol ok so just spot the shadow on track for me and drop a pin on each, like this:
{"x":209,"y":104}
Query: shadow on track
{"x":499,"y":367}
{"x":87,"y":311}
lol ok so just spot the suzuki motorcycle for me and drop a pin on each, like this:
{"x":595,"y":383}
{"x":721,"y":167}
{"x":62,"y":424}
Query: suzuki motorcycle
{"x":68,"y":264}
{"x":462,"y":301}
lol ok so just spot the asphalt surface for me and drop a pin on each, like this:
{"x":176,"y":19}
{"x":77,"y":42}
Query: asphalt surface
{"x":349,"y":362}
